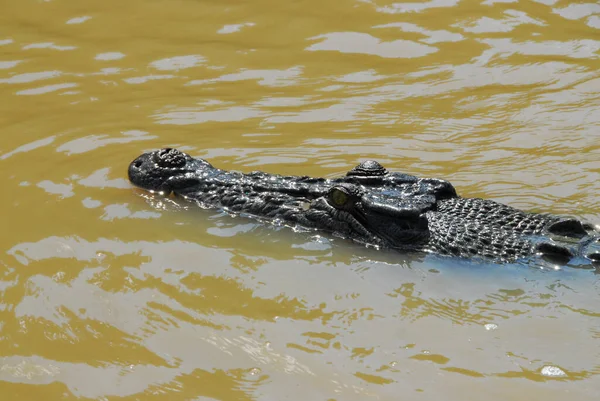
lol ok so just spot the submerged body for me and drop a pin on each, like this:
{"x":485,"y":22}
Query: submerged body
{"x":373,"y":206}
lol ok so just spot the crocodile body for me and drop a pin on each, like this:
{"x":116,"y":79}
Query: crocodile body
{"x":373,"y":206}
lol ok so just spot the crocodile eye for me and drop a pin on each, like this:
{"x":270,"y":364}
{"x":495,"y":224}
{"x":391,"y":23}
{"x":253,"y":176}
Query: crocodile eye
{"x":338,"y":197}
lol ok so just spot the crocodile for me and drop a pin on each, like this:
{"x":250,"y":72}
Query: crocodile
{"x":373,"y":206}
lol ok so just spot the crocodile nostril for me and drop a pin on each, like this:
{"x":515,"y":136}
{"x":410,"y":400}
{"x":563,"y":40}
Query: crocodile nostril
{"x":138,"y":163}
{"x":170,"y":158}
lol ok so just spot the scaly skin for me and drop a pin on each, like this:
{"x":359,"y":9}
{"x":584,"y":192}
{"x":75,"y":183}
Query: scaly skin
{"x":373,"y":206}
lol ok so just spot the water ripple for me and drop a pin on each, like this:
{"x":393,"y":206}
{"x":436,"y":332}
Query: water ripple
{"x":110,"y":291}
{"x":363,"y":43}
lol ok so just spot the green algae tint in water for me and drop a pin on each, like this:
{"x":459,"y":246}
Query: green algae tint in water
{"x":111,"y":293}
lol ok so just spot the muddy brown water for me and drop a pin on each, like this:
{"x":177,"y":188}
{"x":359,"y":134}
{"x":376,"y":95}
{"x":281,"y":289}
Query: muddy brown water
{"x":109,"y":293}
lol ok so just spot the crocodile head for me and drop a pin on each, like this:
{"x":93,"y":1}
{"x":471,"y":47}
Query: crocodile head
{"x":368,"y":205}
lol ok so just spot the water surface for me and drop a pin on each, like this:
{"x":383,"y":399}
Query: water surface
{"x":110,"y":293}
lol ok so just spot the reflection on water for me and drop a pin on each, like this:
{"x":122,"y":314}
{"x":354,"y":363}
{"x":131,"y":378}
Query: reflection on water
{"x":109,"y":292}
